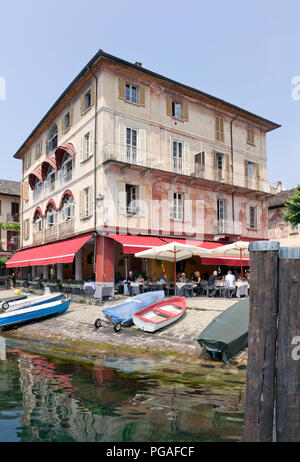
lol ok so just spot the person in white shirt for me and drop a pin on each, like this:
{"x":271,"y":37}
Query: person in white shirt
{"x":230,"y":279}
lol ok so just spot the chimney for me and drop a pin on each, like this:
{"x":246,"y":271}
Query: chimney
{"x":138,"y":64}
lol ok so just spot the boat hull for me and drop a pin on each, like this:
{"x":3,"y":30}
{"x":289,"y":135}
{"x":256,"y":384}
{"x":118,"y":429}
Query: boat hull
{"x":34,"y":313}
{"x":160,"y":314}
{"x":124,"y":312}
{"x":227,"y":334}
{"x":35,"y":301}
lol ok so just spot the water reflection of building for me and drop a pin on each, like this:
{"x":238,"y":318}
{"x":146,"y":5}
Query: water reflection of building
{"x":70,"y":402}
{"x":52,"y":409}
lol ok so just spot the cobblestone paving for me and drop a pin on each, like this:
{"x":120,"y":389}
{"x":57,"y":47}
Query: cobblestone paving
{"x":78,"y":324}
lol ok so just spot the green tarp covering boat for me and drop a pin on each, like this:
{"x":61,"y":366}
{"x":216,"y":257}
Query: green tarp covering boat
{"x":227,"y":334}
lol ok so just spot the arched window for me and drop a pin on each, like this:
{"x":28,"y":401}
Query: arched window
{"x":67,"y":208}
{"x":38,"y":190}
{"x":52,"y":139}
{"x":37,"y":221}
{"x":50,"y":179}
{"x":67,"y":168}
{"x":50,"y":215}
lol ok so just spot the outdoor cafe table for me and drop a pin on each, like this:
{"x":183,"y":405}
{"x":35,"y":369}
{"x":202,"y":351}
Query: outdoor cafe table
{"x":184,"y":288}
{"x":241,"y":289}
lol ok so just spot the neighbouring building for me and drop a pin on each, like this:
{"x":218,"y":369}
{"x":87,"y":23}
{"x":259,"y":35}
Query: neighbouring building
{"x":127,"y":159}
{"x":9,"y":217}
{"x":280,"y":230}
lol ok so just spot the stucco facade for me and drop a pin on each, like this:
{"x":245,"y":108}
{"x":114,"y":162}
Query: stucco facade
{"x":9,"y":216}
{"x":280,"y":230}
{"x":134,"y":152}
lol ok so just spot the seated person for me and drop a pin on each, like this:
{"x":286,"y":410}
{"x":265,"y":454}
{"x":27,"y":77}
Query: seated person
{"x":212,"y":284}
{"x":162,"y":277}
{"x":182,"y":278}
{"x":196,"y":280}
{"x":129,"y":280}
{"x":230,"y":283}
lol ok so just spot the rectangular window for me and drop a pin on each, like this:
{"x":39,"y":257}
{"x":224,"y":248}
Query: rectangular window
{"x":250,"y":174}
{"x":252,"y":217}
{"x":131,"y":199}
{"x":67,"y":121}
{"x":177,"y":152}
{"x":178,"y":206}
{"x":27,"y":161}
{"x":199,"y":163}
{"x":177,"y":110}
{"x":38,"y":150}
{"x":221,"y":209}
{"x":219,"y":128}
{"x":219,"y":167}
{"x":87,"y":145}
{"x":131,"y":94}
{"x":294,"y":229}
{"x":131,"y":145}
{"x":87,"y":100}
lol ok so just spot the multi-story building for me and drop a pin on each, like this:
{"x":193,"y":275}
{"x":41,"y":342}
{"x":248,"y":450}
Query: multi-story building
{"x":127,"y":156}
{"x":280,"y":230}
{"x":9,"y":217}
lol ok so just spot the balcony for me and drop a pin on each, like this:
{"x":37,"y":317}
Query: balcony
{"x":37,"y":237}
{"x":228,"y":227}
{"x":66,"y":228}
{"x":50,"y":233}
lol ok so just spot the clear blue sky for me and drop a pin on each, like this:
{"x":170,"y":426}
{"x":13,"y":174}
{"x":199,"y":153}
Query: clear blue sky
{"x":245,"y":52}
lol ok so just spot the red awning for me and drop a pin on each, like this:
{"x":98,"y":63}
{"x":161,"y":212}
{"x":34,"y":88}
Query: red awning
{"x":228,"y":261}
{"x":34,"y":177}
{"x":60,"y":151}
{"x":134,"y":244}
{"x":57,"y":252}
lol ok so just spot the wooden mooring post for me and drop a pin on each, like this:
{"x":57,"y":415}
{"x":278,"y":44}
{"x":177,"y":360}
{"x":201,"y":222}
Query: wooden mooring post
{"x":274,"y":333}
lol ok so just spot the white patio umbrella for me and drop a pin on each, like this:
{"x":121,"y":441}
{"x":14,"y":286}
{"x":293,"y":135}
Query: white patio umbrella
{"x":173,"y":252}
{"x":236,"y":249}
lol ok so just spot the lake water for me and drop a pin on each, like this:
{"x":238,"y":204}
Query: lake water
{"x":110,"y":398}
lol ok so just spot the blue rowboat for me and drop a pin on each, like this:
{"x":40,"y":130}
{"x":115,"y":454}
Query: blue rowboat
{"x":123,"y":314}
{"x":32,"y":301}
{"x":34,"y":313}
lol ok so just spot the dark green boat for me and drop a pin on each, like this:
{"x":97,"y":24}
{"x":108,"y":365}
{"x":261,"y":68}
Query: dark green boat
{"x":227,"y":334}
